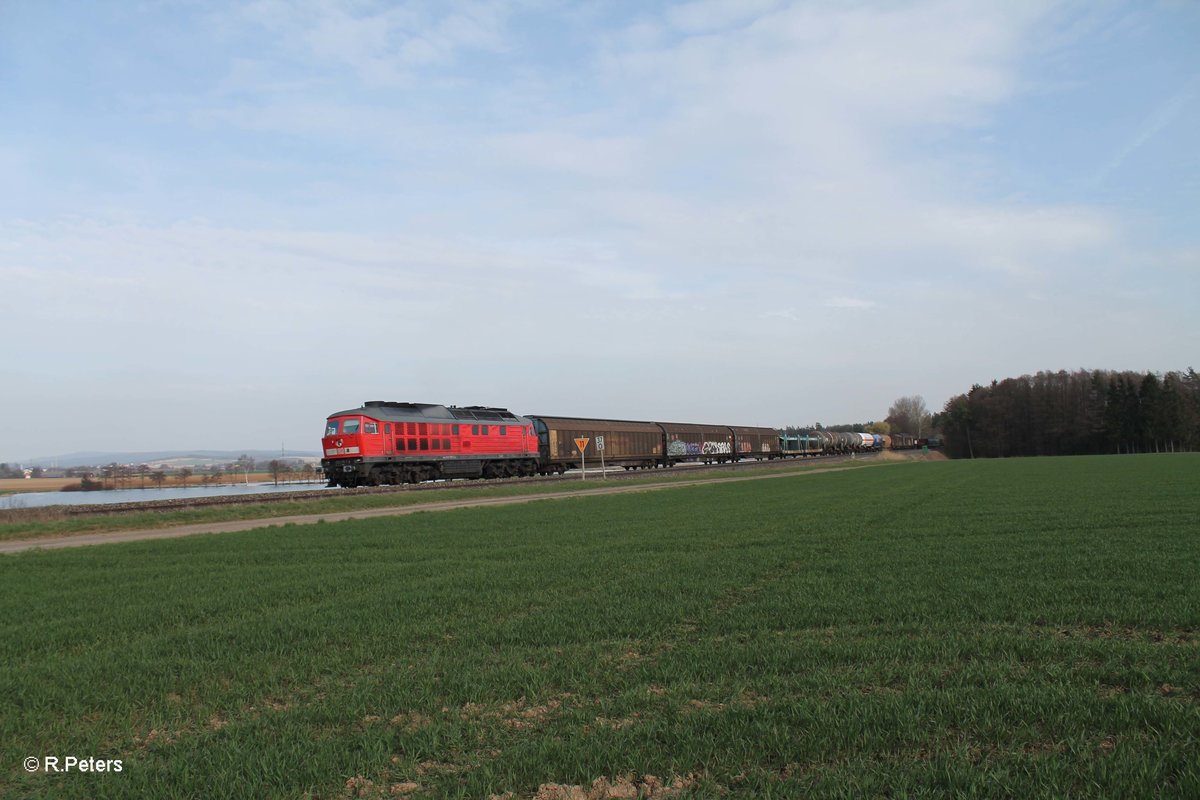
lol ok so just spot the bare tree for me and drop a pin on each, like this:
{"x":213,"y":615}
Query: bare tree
{"x":909,"y":415}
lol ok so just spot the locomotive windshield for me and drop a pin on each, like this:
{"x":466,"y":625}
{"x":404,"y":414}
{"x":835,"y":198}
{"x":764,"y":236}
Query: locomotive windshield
{"x":331,"y":428}
{"x":351,"y":426}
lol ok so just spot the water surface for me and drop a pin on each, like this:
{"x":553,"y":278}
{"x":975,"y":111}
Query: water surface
{"x":109,"y":496}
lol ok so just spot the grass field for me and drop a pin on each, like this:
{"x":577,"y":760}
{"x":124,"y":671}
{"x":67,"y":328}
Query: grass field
{"x":1003,"y":628}
{"x":11,"y":485}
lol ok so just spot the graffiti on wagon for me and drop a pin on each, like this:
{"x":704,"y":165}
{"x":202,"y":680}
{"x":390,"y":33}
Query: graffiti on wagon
{"x":677,"y":447}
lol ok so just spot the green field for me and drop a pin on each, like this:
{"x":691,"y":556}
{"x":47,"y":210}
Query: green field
{"x":1001,"y":628}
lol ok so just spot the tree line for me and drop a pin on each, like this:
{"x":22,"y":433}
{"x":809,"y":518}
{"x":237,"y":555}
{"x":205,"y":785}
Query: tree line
{"x":1074,"y":413}
{"x":15,"y":471}
{"x":906,"y":415}
{"x":124,"y":476}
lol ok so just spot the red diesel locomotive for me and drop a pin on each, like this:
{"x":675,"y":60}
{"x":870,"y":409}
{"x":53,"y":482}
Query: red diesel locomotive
{"x":384,"y":442}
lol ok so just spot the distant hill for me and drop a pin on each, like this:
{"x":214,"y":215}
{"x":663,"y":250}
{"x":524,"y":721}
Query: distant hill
{"x":178,"y":458}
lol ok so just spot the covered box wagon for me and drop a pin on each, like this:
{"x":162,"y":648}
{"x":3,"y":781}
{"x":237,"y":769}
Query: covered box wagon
{"x":707,"y":443}
{"x":756,"y":443}
{"x":626,"y":443}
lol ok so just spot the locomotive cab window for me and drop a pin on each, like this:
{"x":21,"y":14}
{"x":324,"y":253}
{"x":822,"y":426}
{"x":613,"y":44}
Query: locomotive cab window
{"x":331,"y":428}
{"x":370,"y":427}
{"x":351,"y":426}
{"x":504,"y":430}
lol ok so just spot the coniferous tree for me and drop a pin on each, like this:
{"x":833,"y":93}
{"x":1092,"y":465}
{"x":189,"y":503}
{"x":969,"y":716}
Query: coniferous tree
{"x":1061,"y":413}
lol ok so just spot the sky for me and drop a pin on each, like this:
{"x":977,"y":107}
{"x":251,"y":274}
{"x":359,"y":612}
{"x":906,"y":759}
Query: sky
{"x":222,"y":222}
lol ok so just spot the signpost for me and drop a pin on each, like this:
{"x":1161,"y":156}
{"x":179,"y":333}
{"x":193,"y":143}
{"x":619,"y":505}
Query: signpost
{"x":581,"y":442}
{"x":600,"y":447}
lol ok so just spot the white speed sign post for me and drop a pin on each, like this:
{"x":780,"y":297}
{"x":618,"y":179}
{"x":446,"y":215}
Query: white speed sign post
{"x":581,"y":443}
{"x":600,"y":448}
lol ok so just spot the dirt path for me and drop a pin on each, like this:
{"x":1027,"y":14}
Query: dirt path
{"x":112,"y":537}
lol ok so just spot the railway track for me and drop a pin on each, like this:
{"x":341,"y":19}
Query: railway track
{"x":435,"y":486}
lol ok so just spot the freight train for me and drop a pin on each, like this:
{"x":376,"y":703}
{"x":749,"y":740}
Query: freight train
{"x":385,"y":442}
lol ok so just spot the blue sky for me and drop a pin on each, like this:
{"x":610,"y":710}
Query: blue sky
{"x":222,"y":222}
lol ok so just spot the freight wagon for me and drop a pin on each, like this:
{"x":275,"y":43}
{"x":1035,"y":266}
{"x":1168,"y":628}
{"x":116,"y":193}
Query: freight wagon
{"x":633,"y":445}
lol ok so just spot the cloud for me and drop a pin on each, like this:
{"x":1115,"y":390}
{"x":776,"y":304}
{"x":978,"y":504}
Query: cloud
{"x":849,"y":302}
{"x":708,"y":16}
{"x":387,"y":44}
{"x":1163,"y":116}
